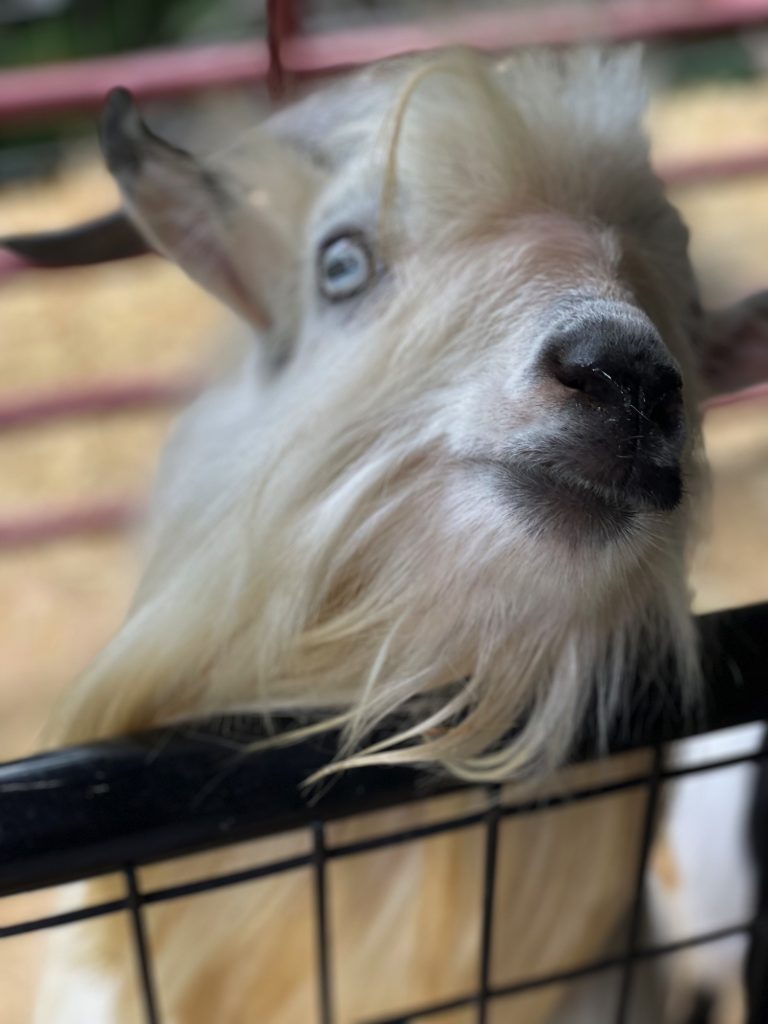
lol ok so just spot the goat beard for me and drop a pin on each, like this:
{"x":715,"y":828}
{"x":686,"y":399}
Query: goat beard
{"x":362,"y":608}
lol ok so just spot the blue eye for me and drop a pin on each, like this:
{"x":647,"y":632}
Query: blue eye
{"x":345,"y":267}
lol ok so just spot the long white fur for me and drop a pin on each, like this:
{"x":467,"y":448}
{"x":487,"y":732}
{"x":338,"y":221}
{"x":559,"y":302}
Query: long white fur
{"x":326,"y":532}
{"x":322,"y":536}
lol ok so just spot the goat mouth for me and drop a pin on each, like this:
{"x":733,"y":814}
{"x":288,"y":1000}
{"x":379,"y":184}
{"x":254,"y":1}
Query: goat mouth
{"x":558,"y":496}
{"x":555,"y":497}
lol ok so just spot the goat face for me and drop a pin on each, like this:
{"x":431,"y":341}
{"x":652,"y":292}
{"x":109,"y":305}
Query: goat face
{"x":526,"y":296}
{"x":464,"y":446}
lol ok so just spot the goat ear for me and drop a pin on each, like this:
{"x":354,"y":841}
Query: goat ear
{"x":237,"y":245}
{"x":734,"y":352}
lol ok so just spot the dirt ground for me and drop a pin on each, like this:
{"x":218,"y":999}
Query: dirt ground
{"x":59,"y":602}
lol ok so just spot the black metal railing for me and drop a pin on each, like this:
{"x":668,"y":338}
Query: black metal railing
{"x":119,"y":805}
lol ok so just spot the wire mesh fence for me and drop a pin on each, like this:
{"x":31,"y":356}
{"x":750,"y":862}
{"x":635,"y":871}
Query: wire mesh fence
{"x":120,"y":805}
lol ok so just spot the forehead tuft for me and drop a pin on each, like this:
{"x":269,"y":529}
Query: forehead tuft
{"x":457,"y":137}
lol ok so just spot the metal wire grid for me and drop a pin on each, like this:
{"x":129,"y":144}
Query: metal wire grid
{"x":490,"y":818}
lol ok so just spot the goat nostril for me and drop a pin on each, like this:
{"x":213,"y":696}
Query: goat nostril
{"x":592,"y":381}
{"x":651,"y":390}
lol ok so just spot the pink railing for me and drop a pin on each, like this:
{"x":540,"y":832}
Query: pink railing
{"x":22,"y":409}
{"x":58,"y":89}
{"x":39,"y":525}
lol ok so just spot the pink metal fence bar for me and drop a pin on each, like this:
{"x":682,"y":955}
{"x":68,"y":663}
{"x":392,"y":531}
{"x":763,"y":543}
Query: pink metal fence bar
{"x":54,"y":89}
{"x":705,"y":170}
{"x":38,"y":526}
{"x":11,"y":264}
{"x":553,"y":24}
{"x":20,"y":409}
{"x":758,"y":392}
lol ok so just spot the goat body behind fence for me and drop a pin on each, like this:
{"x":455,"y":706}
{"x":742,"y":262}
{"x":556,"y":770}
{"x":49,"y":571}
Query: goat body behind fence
{"x":452,"y":464}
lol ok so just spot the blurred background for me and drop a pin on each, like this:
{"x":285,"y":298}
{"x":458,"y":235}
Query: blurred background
{"x":93,"y":361}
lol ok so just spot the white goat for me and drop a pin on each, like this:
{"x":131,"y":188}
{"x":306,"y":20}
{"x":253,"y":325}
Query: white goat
{"x":459,"y":442}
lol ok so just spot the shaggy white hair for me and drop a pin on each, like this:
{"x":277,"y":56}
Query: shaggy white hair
{"x":333,"y":529}
{"x":326,"y":532}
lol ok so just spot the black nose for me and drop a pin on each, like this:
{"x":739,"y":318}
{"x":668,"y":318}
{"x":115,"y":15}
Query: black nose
{"x":622,"y":397}
{"x":618,"y":370}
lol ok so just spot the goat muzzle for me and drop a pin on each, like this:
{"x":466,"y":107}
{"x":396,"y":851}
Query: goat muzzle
{"x":621,"y":394}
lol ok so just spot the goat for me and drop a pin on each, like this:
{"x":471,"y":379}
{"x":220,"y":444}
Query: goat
{"x":457,"y":440}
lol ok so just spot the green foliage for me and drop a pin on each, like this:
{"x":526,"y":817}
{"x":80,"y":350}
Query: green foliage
{"x":716,"y":58}
{"x":91,"y":27}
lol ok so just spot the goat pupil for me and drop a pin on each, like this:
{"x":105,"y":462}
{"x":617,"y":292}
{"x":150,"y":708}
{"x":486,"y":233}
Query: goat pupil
{"x":339,"y":266}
